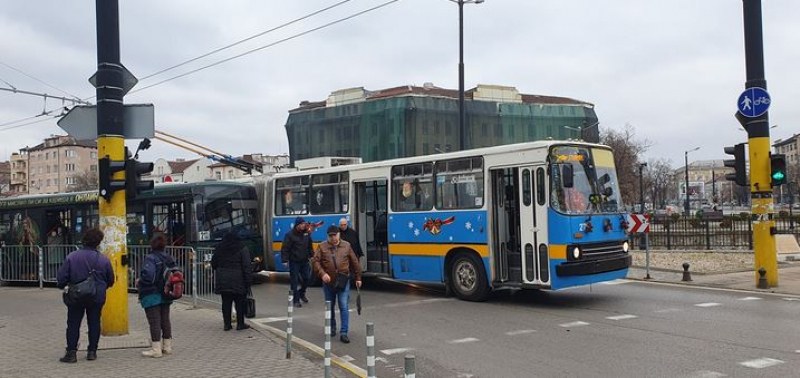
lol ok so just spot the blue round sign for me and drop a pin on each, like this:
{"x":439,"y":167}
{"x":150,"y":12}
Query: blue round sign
{"x":753,"y":102}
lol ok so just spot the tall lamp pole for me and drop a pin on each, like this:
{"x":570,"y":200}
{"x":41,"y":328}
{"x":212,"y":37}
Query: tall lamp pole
{"x":686,"y":183}
{"x":462,"y":137}
{"x":641,"y":189}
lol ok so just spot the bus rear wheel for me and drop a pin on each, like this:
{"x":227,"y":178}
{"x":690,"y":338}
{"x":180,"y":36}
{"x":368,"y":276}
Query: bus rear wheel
{"x":468,"y":279}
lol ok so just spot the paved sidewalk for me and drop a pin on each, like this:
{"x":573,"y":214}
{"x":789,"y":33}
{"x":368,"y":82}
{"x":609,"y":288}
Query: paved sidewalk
{"x":788,"y":278}
{"x":32,"y":328}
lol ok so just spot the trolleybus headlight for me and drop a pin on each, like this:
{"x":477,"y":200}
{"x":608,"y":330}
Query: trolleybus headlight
{"x":625,"y":247}
{"x":576,"y":253}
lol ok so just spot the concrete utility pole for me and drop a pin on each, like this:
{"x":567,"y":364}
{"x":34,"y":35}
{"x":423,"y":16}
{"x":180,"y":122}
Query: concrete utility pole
{"x":759,"y":152}
{"x":111,"y":147}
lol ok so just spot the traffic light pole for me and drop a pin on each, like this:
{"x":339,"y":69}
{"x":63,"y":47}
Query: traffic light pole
{"x":111,"y":144}
{"x":757,"y":128}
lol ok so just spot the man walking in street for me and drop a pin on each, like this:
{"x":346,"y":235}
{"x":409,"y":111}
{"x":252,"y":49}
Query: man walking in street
{"x":351,"y":236}
{"x":296,"y":250}
{"x":334,"y":261}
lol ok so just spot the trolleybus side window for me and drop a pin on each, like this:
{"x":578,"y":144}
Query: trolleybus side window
{"x":291,"y":195}
{"x":329,"y":193}
{"x":412,"y":187}
{"x":459,"y":183}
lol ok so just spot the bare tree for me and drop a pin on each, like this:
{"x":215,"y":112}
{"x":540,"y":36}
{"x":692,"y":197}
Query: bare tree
{"x":658,"y":182}
{"x":86,"y":180}
{"x":627,"y":152}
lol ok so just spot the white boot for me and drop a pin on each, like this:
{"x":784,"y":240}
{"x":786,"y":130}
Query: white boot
{"x":154,"y":351}
{"x":166,"y":347}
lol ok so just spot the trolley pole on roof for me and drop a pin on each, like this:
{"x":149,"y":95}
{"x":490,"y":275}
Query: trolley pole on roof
{"x":111,"y":163}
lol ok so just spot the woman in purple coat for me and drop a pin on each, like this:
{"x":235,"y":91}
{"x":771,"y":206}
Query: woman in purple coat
{"x":76,"y":268}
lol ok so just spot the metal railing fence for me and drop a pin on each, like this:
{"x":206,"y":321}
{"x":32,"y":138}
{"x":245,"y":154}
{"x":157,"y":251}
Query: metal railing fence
{"x":734,"y":232}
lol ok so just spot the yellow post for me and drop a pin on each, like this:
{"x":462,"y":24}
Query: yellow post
{"x":762,"y":208}
{"x":112,"y":223}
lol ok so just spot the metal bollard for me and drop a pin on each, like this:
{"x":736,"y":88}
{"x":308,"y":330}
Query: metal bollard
{"x":41,"y":268}
{"x":289,"y":312}
{"x":196,"y":272}
{"x":410,"y":367}
{"x":327,"y":339}
{"x":370,"y":350}
{"x":762,"y":279}
{"x":686,"y":275}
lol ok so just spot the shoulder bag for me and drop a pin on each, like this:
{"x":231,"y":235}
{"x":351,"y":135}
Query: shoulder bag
{"x":339,"y":282}
{"x":82,"y":293}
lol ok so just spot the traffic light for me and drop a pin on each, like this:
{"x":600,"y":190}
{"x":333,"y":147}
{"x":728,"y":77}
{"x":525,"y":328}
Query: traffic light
{"x":108,"y":185}
{"x":738,"y":164}
{"x":133,"y":180}
{"x":778,"y":169}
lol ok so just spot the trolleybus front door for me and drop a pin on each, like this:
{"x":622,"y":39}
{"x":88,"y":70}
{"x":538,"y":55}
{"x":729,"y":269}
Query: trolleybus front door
{"x":533,"y":224}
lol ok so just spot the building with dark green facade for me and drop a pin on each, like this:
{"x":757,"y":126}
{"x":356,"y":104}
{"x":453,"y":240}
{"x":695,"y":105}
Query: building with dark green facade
{"x":410,"y":121}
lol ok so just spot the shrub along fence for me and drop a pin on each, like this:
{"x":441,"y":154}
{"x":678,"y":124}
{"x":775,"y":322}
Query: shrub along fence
{"x":711,"y":232}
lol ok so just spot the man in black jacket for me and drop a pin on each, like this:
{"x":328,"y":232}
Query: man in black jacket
{"x":351,"y":236}
{"x":296,"y":250}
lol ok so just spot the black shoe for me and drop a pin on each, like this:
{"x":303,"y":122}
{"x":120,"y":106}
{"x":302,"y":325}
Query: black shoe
{"x":333,"y":333}
{"x":71,"y":357}
{"x":91,"y":355}
{"x":304,"y":299}
{"x":228,"y":327}
{"x":242,"y":326}
{"x":298,"y":304}
{"x":345,"y":339}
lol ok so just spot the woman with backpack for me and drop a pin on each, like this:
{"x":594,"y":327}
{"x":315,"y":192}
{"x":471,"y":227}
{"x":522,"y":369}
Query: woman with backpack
{"x":232,"y":278}
{"x":151,"y":296}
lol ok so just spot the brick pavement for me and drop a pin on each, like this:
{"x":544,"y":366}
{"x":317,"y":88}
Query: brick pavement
{"x":32,"y":329}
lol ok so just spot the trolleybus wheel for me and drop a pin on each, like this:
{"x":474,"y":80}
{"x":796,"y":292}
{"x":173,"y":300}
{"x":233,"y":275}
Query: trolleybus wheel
{"x":468,"y":279}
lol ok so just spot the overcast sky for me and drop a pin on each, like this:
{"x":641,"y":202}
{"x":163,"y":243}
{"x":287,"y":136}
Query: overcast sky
{"x":672,"y":69}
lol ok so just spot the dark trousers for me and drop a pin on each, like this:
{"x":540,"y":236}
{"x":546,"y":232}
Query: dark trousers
{"x":299,"y":275}
{"x":241,"y":308}
{"x":74,"y":320}
{"x":158,"y":319}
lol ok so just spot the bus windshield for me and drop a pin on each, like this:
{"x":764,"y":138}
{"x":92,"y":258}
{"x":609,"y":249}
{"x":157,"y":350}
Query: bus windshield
{"x":583,"y":180}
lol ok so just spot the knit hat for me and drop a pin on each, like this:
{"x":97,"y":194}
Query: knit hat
{"x":299,"y":220}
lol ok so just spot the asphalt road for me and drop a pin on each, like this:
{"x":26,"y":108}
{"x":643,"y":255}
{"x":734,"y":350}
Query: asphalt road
{"x":622,"y":329}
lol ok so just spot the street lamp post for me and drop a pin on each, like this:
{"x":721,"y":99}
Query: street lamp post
{"x":686,"y":183}
{"x":642,"y":241}
{"x":462,"y":137}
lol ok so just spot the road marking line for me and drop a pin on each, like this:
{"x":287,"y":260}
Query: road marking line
{"x":761,"y":363}
{"x":750,"y":299}
{"x":667,"y":310}
{"x":708,"y":304}
{"x":797,"y":351}
{"x":419,"y":302}
{"x":390,"y":352}
{"x":520,"y":332}
{"x":348,"y":358}
{"x":464,"y":340}
{"x":615,"y":282}
{"x":621,"y":317}
{"x":791,"y":299}
{"x":270,"y":320}
{"x":707,"y":374}
{"x":573,"y":324}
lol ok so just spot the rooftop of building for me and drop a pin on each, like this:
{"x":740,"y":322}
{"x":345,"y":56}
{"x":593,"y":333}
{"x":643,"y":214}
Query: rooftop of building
{"x":179,"y":166}
{"x":483,"y":92}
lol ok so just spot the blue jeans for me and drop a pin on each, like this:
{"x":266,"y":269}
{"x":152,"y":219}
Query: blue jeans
{"x":299,"y":273}
{"x":74,"y":320}
{"x":343,"y":299}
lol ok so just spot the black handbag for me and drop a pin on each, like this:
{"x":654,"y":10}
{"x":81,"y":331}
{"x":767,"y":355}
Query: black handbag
{"x":340,"y":281}
{"x":250,"y":311}
{"x":81,"y":293}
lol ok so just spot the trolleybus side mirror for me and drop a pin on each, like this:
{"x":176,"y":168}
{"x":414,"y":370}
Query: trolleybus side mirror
{"x":567,"y":175}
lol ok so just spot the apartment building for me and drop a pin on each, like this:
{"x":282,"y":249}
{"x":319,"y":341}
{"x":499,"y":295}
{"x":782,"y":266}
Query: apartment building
{"x":52,"y":166}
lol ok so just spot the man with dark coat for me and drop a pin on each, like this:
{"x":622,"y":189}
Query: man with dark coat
{"x":351,"y":236}
{"x":296,"y":250}
{"x":76,"y":268}
{"x":232,"y":278}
